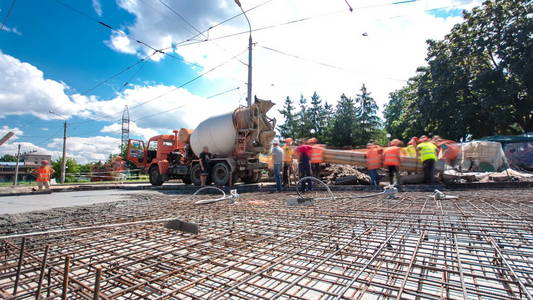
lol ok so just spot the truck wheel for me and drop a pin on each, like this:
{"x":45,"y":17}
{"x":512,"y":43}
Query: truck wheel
{"x":186,"y":179}
{"x":254,"y":178}
{"x":220,"y":174}
{"x":155,"y":177}
{"x":195,"y":174}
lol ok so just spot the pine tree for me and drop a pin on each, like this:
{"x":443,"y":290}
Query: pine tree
{"x":317,"y":115}
{"x":344,"y":123}
{"x":369,"y":121}
{"x":288,"y":128}
{"x":303,"y":120}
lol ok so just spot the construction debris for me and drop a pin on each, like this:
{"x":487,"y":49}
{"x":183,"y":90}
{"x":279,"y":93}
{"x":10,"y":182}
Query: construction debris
{"x":345,"y":175}
{"x":476,"y":247}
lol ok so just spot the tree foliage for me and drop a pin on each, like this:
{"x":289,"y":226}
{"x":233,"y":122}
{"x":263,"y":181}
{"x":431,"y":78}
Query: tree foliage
{"x":8,"y":158}
{"x":478,"y":80}
{"x":353,"y":121}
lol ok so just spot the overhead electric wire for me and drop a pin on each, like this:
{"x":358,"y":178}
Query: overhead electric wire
{"x":8,"y":14}
{"x":112,"y":28}
{"x":194,"y":27}
{"x":127,"y":68}
{"x":189,"y":81}
{"x":220,"y":23}
{"x":318,"y":62}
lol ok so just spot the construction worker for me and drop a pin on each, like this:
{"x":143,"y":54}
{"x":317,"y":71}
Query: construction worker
{"x":277,"y":160}
{"x":304,"y":164}
{"x":391,"y":160}
{"x":410,"y":150}
{"x":428,"y":155}
{"x":205,"y":156}
{"x":374,"y":157}
{"x":118,"y":168}
{"x":288,"y":153}
{"x":43,"y":173}
{"x":315,"y":156}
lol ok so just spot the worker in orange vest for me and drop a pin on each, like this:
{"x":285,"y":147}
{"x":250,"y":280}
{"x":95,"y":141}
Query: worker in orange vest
{"x":391,"y":160}
{"x":43,"y":173}
{"x":315,"y":156}
{"x":374,"y":157}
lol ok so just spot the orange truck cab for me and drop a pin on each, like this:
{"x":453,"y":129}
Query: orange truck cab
{"x":164,"y":157}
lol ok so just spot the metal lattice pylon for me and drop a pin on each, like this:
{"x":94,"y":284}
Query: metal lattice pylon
{"x":125,"y":127}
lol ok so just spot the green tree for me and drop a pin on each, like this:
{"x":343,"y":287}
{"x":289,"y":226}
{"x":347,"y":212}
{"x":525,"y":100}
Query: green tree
{"x":367,"y":114}
{"x":478,"y":81}
{"x":344,"y":122}
{"x":289,"y":127}
{"x":304,"y":126}
{"x":317,"y":116}
{"x":72,"y":169}
{"x":8,"y":158}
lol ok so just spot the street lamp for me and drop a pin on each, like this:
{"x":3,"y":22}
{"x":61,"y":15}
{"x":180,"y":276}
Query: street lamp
{"x":63,"y":162}
{"x":249,"y":98}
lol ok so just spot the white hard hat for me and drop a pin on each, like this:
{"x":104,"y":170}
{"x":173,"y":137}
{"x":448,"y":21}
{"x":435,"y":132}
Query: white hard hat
{"x":275,"y":141}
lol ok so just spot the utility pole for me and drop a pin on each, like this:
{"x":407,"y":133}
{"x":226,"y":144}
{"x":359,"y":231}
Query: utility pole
{"x":250,"y":44}
{"x":15,"y":180}
{"x":64,"y":161}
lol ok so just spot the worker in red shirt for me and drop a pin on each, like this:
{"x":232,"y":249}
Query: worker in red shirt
{"x":43,"y":173}
{"x":391,"y":160}
{"x":374,"y":157}
{"x":303,"y":152}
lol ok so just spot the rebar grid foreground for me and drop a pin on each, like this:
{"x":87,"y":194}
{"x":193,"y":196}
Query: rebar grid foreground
{"x":476,"y":247}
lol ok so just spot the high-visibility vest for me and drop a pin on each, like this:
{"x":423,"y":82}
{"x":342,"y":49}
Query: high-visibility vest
{"x":391,"y":156}
{"x":288,"y":153}
{"x":43,"y":174}
{"x":317,"y":154}
{"x":373,"y":158}
{"x":428,"y":150}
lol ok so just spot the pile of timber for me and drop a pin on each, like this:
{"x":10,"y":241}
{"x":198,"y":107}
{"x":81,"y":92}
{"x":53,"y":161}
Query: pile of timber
{"x":345,"y":175}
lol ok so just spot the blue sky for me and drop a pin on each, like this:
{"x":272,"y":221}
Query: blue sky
{"x":68,"y":53}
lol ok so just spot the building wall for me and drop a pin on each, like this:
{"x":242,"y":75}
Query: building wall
{"x":35,"y":159}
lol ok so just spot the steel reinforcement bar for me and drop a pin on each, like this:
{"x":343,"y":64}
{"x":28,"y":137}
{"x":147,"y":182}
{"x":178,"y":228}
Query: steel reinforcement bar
{"x":412,"y":246}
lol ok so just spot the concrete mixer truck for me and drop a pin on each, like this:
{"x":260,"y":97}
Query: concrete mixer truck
{"x":236,"y":139}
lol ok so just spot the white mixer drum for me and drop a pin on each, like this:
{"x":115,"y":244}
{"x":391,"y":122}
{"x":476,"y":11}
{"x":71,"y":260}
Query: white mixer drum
{"x":217,"y":133}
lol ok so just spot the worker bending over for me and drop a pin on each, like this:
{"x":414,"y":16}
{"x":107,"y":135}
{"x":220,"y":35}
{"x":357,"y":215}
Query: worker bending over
{"x":374,"y":157}
{"x":277,"y":160}
{"x":43,"y":173}
{"x":304,"y":164}
{"x":428,"y":155}
{"x":205,"y":157}
{"x":288,"y":153}
{"x":391,"y":160}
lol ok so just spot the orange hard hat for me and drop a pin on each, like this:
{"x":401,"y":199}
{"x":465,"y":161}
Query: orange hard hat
{"x":288,"y":140}
{"x":44,"y":162}
{"x":118,"y":157}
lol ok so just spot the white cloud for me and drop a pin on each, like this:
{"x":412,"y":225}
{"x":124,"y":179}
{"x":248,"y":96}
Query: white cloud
{"x":12,"y":30}
{"x":389,"y":55}
{"x":135,"y":131}
{"x":86,"y":149}
{"x":97,"y":6}
{"x":24,"y":90}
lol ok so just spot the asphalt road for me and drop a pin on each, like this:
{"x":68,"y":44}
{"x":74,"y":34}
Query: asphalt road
{"x":26,"y":203}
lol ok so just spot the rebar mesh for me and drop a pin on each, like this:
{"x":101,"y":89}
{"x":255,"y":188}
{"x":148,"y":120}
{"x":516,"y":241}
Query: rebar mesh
{"x":478,"y":246}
